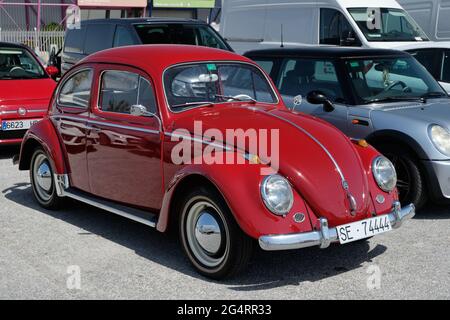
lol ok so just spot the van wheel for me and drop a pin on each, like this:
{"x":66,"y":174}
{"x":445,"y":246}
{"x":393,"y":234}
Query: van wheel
{"x":410,"y":178}
{"x":211,"y":238}
{"x":42,"y":183}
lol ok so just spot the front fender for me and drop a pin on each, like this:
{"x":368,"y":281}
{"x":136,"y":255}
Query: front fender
{"x":239,"y":185}
{"x":42,"y":134}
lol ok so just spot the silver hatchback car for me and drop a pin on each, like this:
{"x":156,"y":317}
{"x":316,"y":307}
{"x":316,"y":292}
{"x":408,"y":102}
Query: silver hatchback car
{"x":383,"y":96}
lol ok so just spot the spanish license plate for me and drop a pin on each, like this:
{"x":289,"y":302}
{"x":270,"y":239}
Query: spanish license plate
{"x":363,"y":229}
{"x":8,"y":125}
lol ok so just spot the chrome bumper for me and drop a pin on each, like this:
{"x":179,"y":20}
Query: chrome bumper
{"x":325,"y":235}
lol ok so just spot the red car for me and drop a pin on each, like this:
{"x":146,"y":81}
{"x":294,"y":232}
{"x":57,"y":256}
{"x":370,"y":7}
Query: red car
{"x":25,"y":90}
{"x":165,"y":135}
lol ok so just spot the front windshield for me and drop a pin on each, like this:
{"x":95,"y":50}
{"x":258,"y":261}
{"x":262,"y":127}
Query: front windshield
{"x":391,"y":79}
{"x":18,"y":63}
{"x":198,"y":84}
{"x":387,"y":24}
{"x":177,"y":33}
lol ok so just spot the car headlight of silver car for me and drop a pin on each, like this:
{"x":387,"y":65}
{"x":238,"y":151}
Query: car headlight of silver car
{"x":384,"y":173}
{"x":441,"y":138}
{"x":277,"y":194}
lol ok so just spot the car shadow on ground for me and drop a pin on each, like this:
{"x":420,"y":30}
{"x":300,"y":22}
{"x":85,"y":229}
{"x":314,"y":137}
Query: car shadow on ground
{"x":433,"y":212}
{"x":266,"y":270}
{"x":8,"y":152}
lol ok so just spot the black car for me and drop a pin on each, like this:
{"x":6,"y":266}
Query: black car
{"x":100,"y":34}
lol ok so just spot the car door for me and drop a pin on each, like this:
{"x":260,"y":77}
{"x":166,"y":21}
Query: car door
{"x":297,"y":77}
{"x":70,"y":115}
{"x":123,"y":150}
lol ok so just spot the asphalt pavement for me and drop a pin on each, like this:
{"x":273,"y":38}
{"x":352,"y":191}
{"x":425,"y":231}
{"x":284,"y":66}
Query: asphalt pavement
{"x":82,"y":252}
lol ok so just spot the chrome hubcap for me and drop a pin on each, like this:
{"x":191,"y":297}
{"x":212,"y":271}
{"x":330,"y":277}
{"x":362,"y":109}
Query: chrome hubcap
{"x":42,"y":176}
{"x":207,"y":234}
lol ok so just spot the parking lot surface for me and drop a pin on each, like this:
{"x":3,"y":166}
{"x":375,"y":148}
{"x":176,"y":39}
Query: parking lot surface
{"x":114,"y":258}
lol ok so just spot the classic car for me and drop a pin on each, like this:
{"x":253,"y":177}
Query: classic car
{"x":383,"y":96}
{"x":25,"y":90}
{"x":324,"y":189}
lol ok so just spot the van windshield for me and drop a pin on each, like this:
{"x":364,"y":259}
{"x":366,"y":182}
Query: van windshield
{"x":387,"y":24}
{"x":177,"y":33}
{"x":391,"y":79}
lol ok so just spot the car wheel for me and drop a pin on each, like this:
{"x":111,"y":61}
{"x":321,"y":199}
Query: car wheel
{"x":410,"y":179}
{"x":42,"y":183}
{"x":211,"y":238}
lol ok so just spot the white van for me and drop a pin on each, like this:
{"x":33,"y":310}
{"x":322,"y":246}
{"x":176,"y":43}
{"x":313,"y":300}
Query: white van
{"x":253,"y":24}
{"x":431,"y":15}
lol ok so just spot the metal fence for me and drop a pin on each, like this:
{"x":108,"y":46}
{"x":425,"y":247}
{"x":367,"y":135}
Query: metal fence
{"x":41,"y":42}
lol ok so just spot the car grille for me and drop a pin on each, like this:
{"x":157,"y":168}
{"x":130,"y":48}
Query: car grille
{"x":13,"y":134}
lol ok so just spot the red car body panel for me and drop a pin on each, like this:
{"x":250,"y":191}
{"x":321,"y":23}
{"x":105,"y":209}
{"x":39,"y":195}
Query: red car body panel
{"x":33,"y":95}
{"x":136,"y":169}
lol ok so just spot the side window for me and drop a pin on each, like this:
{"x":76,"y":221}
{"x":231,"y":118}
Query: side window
{"x":301,"y":76}
{"x":119,"y":90}
{"x":427,"y":58}
{"x":445,"y":73}
{"x":122,"y":37}
{"x":98,"y":37}
{"x":76,"y":91}
{"x":74,"y":40}
{"x":335,"y":29}
{"x":267,"y":65}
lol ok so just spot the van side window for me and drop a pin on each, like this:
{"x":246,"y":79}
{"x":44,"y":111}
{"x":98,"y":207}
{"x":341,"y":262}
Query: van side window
{"x":122,"y":37}
{"x":76,"y":91}
{"x":74,"y":40}
{"x":335,"y":29}
{"x":119,"y":90}
{"x":98,"y":37}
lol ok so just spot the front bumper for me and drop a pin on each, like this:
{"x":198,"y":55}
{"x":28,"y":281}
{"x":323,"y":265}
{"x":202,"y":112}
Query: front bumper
{"x":325,"y":235}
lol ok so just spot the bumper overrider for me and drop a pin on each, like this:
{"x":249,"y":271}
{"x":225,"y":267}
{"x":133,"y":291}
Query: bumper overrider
{"x":325,"y":235}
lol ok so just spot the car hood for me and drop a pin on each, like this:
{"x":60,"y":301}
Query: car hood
{"x":433,"y":111}
{"x":29,"y":89}
{"x":312,"y":154}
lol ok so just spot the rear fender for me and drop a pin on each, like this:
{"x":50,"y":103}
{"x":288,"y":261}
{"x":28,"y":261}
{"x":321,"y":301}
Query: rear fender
{"x":42,"y":134}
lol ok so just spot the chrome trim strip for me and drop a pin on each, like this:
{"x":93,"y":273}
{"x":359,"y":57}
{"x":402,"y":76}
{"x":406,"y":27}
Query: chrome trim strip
{"x":8,"y":112}
{"x":113,"y":125}
{"x":61,"y":182}
{"x":199,"y":140}
{"x":325,"y":235}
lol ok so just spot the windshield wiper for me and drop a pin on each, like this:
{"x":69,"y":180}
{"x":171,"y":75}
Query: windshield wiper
{"x":241,"y":97}
{"x":433,"y":94}
{"x":198,"y":103}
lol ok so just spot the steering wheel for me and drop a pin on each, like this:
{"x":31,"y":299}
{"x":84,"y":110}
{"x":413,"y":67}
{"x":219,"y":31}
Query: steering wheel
{"x":405,"y":87}
{"x":243,"y":97}
{"x":16,"y":68}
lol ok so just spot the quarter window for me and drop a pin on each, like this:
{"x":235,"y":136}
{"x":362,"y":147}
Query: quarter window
{"x":122,"y":89}
{"x":122,"y":37}
{"x":76,"y":91}
{"x":335,"y":29}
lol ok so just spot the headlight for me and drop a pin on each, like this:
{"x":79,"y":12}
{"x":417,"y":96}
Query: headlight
{"x":441,"y":138}
{"x":277,"y":194}
{"x":384,"y":173}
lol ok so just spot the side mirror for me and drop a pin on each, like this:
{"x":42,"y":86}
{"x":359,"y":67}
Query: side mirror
{"x":348,"y":39}
{"x":317,"y":97}
{"x":52,"y":71}
{"x":139,"y":110}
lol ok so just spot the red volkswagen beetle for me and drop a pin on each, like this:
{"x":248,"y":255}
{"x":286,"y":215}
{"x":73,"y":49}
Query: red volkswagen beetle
{"x":25,"y":90}
{"x":198,"y":139}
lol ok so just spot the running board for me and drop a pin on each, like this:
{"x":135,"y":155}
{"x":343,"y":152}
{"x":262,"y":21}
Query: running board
{"x":137,"y":215}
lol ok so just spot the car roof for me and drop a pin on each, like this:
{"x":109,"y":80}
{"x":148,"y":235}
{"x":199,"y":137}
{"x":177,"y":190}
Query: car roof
{"x":14,"y":45}
{"x":325,"y":52}
{"x":157,"y":57}
{"x":142,"y":20}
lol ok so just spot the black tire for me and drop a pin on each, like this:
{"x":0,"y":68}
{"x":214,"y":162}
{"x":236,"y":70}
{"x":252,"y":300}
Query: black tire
{"x":410,"y":178}
{"x":47,"y":199}
{"x":235,"y":247}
